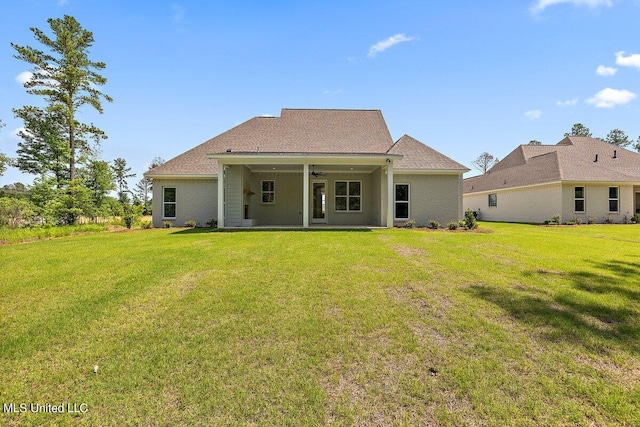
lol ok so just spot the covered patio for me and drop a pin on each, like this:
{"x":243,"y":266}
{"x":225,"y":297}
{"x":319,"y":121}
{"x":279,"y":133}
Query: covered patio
{"x":302,"y":191}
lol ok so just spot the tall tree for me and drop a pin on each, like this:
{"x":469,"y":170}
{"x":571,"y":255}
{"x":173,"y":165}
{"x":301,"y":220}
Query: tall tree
{"x":43,"y":150}
{"x":122,"y":172}
{"x":143,"y":193}
{"x":636,"y":146}
{"x":618,"y":137}
{"x":99,"y":178}
{"x":534,"y":142}
{"x":67,"y":79}
{"x":578,"y":129}
{"x":484,"y":162}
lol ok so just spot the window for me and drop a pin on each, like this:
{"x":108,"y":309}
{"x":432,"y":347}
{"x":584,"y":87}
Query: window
{"x":268,"y":192}
{"x":578,"y":204}
{"x":348,"y":196}
{"x":613,"y":199}
{"x":493,"y":199}
{"x":402,"y":201}
{"x":168,"y":202}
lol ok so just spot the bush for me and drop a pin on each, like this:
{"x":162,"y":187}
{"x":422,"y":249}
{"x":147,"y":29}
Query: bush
{"x":410,"y":224}
{"x":590,"y":220}
{"x":578,"y":221}
{"x":452,"y":225}
{"x":627,"y":219}
{"x":190,"y":224}
{"x":555,"y":220}
{"x":16,"y":212}
{"x":636,"y":218}
{"x":470,"y":222}
{"x":434,"y":224}
{"x":167,"y":224}
{"x":212,"y":223}
{"x":146,"y":225}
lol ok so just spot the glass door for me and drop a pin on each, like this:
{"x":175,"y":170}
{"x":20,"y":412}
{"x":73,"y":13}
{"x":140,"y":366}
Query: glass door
{"x":319,"y":202}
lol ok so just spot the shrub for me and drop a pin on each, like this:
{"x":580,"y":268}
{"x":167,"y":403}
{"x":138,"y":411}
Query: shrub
{"x":452,"y":225}
{"x":410,"y":224}
{"x":555,"y":220}
{"x":190,"y":224}
{"x":590,"y":220}
{"x":146,"y":225}
{"x":15,"y":212}
{"x":636,"y":218}
{"x":627,"y":219}
{"x":608,"y":220}
{"x":570,"y":223}
{"x":167,"y":224}
{"x":470,"y":222}
{"x":434,"y":224}
{"x":212,"y":223}
{"x":578,"y":221}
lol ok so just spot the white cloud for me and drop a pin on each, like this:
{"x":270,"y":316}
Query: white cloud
{"x":533,"y":114}
{"x":24,"y":77}
{"x":541,"y":5}
{"x":14,"y":134}
{"x":606,"y":71}
{"x":632,"y":60}
{"x":383,"y":45}
{"x":609,"y":98}
{"x":567,"y":103}
{"x":179,"y":13}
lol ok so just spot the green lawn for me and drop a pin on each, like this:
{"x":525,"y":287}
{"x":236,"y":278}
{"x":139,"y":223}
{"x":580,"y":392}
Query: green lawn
{"x":524,"y":325}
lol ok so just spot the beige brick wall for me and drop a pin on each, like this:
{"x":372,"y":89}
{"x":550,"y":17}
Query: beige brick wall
{"x":530,"y":204}
{"x":597,"y":202}
{"x":197,"y":200}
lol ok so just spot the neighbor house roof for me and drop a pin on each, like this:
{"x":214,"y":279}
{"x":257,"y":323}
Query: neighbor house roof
{"x":306,"y":132}
{"x":575,"y":159}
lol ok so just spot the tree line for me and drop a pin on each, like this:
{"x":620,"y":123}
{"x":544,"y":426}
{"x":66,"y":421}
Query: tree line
{"x":71,"y":181}
{"x":618,"y":137}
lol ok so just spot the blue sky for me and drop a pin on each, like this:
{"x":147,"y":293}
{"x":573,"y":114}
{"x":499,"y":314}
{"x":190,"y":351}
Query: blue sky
{"x":461,"y":76}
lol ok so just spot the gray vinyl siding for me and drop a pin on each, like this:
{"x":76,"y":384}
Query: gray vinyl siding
{"x":432,"y":197}
{"x":196,"y":200}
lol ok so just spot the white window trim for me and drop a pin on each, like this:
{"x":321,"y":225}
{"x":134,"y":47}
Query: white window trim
{"x":347,"y":196}
{"x":175,"y":204}
{"x":617,"y":199}
{"x":489,"y":200}
{"x":408,"y":201}
{"x":262,"y":192}
{"x":583,"y":198}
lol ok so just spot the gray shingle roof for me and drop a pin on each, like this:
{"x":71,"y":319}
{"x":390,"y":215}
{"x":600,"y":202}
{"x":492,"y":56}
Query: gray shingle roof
{"x":572,"y":159}
{"x":306,"y":131}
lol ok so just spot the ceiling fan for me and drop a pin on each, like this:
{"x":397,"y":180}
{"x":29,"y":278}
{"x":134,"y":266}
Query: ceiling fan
{"x":316,"y":174}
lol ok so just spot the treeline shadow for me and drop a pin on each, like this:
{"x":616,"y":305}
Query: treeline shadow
{"x":578,"y":317}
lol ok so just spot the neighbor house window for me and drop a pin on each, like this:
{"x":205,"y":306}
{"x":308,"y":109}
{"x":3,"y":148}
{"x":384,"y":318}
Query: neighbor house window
{"x":578,"y":202}
{"x":402,"y":201}
{"x":168,"y":202}
{"x":493,"y":199}
{"x":348,"y":196}
{"x":268,"y":192}
{"x":614,"y":199}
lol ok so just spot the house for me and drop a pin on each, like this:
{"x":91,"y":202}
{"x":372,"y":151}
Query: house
{"x":580,"y":178}
{"x":308,"y":167}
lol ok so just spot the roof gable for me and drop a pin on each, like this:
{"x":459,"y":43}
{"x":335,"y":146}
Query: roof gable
{"x":417,"y":155}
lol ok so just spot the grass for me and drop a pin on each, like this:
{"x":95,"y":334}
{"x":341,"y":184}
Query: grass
{"x":526,"y":325}
{"x":26,"y":234}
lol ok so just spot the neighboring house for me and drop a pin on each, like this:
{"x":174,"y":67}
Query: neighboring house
{"x":306,"y":167}
{"x":578,"y":178}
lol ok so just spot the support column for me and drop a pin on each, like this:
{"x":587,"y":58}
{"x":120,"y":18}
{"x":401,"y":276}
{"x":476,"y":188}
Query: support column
{"x":305,"y":195}
{"x":390,"y":195}
{"x":220,"y":194}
